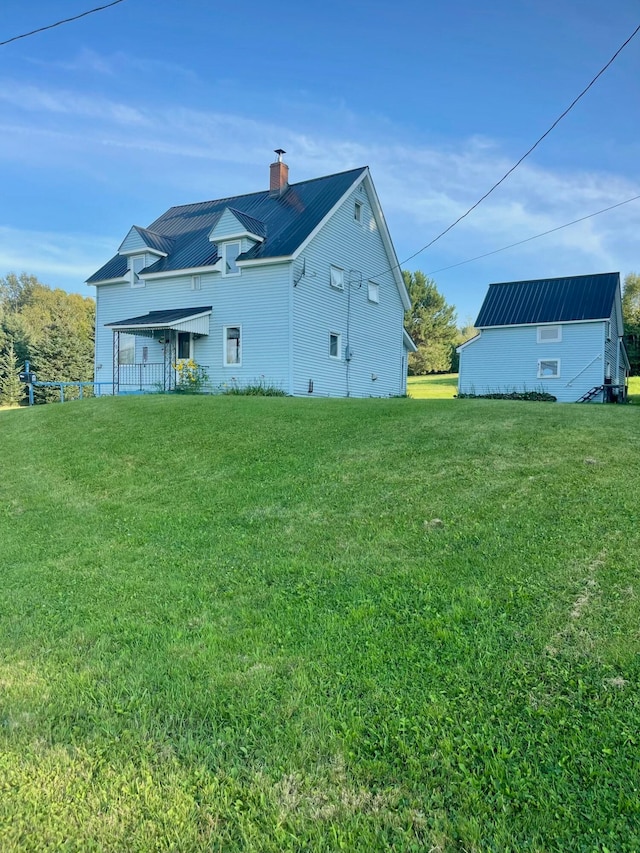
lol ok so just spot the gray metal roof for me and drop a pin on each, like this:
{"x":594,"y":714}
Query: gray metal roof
{"x":286,"y":220}
{"x":160,"y":318}
{"x":549,"y":300}
{"x":155,"y":241}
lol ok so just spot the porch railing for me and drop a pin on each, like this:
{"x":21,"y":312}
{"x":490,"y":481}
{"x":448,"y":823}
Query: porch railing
{"x":143,"y":375}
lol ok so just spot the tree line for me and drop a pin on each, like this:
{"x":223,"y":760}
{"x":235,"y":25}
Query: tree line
{"x":51,"y":329}
{"x":54,"y":331}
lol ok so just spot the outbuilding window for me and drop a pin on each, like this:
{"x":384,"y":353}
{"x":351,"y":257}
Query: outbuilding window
{"x":549,"y":334}
{"x":548,"y":368}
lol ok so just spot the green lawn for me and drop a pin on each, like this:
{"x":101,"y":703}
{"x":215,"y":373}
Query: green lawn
{"x":245,"y":624}
{"x":441,"y":386}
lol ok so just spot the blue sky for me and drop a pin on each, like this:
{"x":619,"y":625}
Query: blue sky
{"x":108,"y":121}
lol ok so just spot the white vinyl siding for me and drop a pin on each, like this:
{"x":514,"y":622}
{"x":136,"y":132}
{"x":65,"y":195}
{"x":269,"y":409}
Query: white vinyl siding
{"x":502,"y":360}
{"x":375,"y":332}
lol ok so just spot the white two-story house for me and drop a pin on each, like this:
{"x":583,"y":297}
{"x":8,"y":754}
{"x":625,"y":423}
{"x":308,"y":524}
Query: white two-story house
{"x":297,"y":287}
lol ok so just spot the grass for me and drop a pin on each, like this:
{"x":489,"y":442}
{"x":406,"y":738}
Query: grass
{"x":245,"y":624}
{"x":441,"y":386}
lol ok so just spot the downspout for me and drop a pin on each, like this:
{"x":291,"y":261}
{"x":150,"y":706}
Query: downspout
{"x":357,"y":275}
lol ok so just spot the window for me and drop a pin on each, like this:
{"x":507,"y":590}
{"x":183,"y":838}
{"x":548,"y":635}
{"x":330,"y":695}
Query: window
{"x":137,"y":265}
{"x":608,"y":329}
{"x":337,"y":278}
{"x":357,"y":211}
{"x":231,"y":252}
{"x":232,"y":346}
{"x":549,"y":334}
{"x":548,"y":368}
{"x":196,"y":282}
{"x":335,"y":344}
{"x":184,"y":345}
{"x":373,"y":292}
{"x":126,"y":348}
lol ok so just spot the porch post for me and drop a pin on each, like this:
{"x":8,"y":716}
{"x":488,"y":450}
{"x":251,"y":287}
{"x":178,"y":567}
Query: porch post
{"x":116,"y":362}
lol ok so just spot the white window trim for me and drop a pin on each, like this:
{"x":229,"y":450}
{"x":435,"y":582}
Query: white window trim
{"x":140,"y":282}
{"x":376,"y":291}
{"x":358,"y":210}
{"x":337,"y":335}
{"x":196,"y":282}
{"x":226,"y":363}
{"x":340,"y":270}
{"x":555,"y":340}
{"x":226,"y":246}
{"x":556,"y":375}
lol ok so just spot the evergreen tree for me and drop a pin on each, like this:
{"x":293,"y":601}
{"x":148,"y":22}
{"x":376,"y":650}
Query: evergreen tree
{"x":431,"y":323}
{"x":11,"y":389}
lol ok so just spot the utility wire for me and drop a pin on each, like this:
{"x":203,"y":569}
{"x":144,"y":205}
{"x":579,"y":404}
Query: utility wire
{"x":59,"y":23}
{"x":528,"y":239}
{"x":524,"y":156}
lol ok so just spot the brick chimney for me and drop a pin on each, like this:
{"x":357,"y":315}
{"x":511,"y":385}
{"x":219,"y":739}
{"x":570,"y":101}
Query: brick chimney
{"x":279,"y":175}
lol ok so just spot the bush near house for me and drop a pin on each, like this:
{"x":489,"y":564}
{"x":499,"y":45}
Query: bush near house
{"x":265,"y":624}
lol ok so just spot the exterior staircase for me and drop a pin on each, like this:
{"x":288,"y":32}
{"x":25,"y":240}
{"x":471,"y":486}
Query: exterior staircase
{"x":593,"y":392}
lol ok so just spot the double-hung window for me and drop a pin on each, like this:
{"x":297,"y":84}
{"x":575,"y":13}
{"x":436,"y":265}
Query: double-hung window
{"x":232,"y":339}
{"x":137,"y":265}
{"x":230,"y":253}
{"x":337,"y":278}
{"x":335,"y":345}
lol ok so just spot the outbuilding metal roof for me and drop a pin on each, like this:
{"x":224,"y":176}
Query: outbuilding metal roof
{"x":549,"y":300}
{"x":285,"y":220}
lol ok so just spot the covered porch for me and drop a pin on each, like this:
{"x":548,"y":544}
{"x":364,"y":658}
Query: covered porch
{"x":171,"y":333}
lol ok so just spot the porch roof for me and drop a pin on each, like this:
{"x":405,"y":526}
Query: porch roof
{"x":194,"y":320}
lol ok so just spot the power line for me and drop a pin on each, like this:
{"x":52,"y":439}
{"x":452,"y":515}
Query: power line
{"x":524,"y":156}
{"x":528,"y":239}
{"x":59,"y":23}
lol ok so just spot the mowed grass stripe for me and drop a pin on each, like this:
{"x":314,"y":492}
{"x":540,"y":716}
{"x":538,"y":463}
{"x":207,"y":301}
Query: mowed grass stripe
{"x":275,"y":624}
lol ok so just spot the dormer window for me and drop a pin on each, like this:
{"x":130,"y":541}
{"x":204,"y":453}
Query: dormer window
{"x":137,"y":265}
{"x":230,"y":254}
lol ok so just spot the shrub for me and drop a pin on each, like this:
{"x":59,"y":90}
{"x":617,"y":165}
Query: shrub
{"x":257,"y":388}
{"x":538,"y":396}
